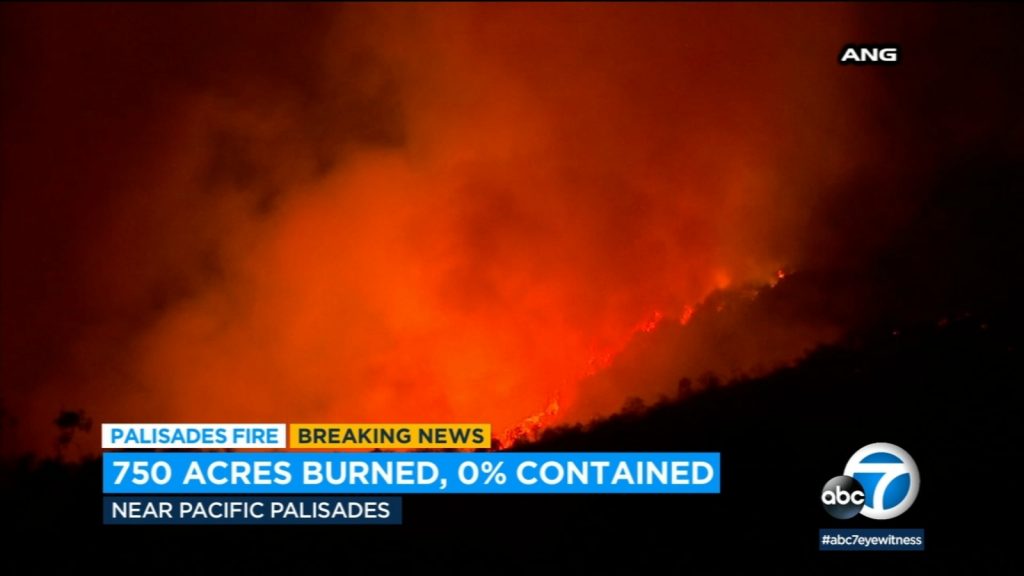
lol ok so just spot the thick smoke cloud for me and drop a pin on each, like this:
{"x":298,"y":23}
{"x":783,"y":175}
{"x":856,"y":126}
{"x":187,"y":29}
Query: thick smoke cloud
{"x":420,"y":212}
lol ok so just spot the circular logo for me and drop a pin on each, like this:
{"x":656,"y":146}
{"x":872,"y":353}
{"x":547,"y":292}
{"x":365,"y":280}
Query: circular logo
{"x":842,"y":497}
{"x":889,"y":478}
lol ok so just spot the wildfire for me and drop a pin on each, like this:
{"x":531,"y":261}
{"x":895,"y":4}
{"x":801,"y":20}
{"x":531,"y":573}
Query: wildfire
{"x":530,"y":428}
{"x":603,"y":357}
{"x":687,"y":314}
{"x":780,"y":275}
{"x":651,"y":323}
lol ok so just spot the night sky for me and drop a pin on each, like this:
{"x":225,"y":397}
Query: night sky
{"x":476,"y":213}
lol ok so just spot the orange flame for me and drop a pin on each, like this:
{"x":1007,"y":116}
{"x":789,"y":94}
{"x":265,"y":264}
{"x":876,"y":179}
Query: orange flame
{"x":687,"y":314}
{"x":530,"y":428}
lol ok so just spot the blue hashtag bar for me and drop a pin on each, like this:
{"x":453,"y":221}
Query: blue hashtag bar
{"x":870,"y":539}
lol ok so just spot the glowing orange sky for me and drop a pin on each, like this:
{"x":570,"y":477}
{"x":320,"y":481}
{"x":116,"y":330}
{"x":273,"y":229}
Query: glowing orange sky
{"x":409,"y":213}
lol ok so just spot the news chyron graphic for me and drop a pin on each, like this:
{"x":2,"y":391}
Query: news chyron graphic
{"x":266,"y":486}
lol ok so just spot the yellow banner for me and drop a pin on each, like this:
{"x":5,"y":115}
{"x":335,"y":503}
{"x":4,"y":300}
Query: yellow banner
{"x":389,"y":436}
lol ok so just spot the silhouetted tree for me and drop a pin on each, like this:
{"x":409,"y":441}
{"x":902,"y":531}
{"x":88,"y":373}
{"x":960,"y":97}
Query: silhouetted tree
{"x":684,"y":388}
{"x":68,"y":422}
{"x":633,"y":406}
{"x":709,"y":380}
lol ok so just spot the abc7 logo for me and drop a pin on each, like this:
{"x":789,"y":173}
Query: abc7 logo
{"x":880,"y":482}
